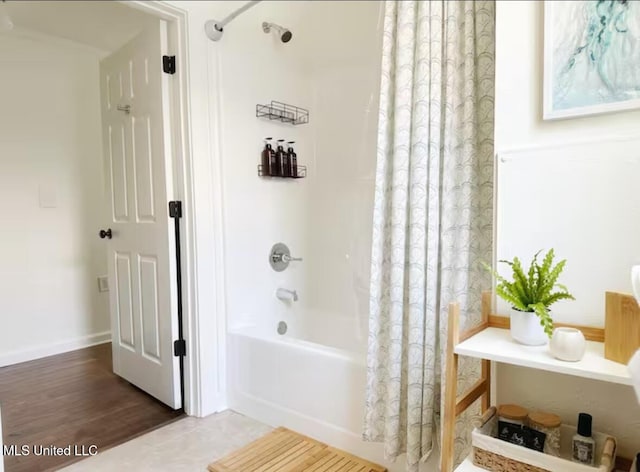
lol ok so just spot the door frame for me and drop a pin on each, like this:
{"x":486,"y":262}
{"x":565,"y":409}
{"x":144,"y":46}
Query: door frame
{"x":199,"y":392}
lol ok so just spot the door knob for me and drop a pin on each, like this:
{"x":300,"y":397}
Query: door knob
{"x":105,"y":234}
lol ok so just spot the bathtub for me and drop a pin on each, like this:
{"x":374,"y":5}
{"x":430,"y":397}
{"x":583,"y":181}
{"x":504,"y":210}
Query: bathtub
{"x":314,"y":389}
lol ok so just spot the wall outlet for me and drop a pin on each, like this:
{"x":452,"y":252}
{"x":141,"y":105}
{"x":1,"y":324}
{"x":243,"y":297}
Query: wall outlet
{"x":103,"y":283}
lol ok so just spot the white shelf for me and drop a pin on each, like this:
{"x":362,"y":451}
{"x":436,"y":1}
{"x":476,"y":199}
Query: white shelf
{"x":467,"y":466}
{"x":495,"y":344}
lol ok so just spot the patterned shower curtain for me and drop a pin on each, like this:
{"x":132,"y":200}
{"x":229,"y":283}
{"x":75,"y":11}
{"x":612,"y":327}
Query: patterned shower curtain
{"x":433,"y":211}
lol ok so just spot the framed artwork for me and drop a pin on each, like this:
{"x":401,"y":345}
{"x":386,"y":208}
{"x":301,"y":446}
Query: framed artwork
{"x":591,"y":57}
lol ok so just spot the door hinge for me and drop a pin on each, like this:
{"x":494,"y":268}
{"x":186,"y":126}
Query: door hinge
{"x":179,"y":348}
{"x":175,"y":209}
{"x":169,"y":64}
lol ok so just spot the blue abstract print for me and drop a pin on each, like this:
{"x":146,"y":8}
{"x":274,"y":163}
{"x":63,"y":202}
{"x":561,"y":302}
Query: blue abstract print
{"x":596,"y":52}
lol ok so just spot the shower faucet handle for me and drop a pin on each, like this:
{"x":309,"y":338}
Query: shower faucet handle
{"x":284,"y":257}
{"x":280,"y":257}
{"x":288,"y":258}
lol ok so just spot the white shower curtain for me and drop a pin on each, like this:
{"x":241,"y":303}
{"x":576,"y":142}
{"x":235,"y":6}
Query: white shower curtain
{"x":433,"y":211}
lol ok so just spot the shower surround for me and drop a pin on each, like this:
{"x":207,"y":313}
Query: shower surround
{"x":311,"y":379}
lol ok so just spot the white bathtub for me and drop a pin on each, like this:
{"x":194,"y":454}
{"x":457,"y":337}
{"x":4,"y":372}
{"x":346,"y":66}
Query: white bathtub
{"x":314,"y":389}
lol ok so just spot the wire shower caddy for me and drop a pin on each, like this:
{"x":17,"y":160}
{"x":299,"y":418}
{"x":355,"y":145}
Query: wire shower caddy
{"x":283,"y":112}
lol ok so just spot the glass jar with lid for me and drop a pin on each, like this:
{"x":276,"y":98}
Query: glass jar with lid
{"x":549,"y":424}
{"x":513,"y":414}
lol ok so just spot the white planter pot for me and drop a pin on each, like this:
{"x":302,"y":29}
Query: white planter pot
{"x":567,"y":344}
{"x":526,"y":328}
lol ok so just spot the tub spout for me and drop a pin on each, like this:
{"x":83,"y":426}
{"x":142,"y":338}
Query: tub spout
{"x":286,"y":295}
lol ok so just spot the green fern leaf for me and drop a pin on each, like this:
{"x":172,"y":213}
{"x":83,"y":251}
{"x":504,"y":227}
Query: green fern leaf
{"x":545,"y":318}
{"x":510,"y":298}
{"x":543,"y":270}
{"x":532,"y":275}
{"x":548,"y":261}
{"x":551,"y":278}
{"x":521,"y":280}
{"x":555,"y":297}
{"x":489,"y":269}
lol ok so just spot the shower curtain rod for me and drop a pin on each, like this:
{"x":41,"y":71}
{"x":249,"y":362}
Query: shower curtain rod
{"x":214,"y":28}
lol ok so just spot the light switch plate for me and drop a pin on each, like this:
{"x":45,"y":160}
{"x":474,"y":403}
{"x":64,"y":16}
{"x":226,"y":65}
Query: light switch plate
{"x":103,"y":283}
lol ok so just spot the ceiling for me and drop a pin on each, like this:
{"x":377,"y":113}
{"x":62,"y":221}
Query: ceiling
{"x":105,"y":25}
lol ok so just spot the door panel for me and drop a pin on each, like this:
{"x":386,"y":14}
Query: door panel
{"x":144,"y":169}
{"x":117,"y":160}
{"x":142,"y":252}
{"x":148,"y":270}
{"x":124,"y":292}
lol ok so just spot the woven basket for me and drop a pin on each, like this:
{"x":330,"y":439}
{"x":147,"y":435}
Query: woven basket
{"x":497,"y":463}
{"x":495,"y":455}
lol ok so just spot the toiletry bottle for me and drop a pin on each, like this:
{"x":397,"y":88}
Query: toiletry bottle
{"x":286,"y":163}
{"x":280,"y":157}
{"x":267,"y":153}
{"x":583,"y":447}
{"x":293,"y":159}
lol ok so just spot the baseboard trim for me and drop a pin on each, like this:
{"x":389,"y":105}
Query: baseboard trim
{"x":38,"y":352}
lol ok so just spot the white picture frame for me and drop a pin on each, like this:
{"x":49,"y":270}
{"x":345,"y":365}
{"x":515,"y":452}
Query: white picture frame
{"x":551,"y":111}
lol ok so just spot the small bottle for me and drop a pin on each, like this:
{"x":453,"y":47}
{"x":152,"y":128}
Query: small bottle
{"x":293,"y":159}
{"x":583,"y":447}
{"x":286,"y":164}
{"x":267,"y":153}
{"x":279,"y":158}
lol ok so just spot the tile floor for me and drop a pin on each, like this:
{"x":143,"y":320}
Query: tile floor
{"x":188,"y":445}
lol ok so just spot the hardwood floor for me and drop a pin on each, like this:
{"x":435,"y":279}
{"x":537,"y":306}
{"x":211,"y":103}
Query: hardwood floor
{"x":72,"y":399}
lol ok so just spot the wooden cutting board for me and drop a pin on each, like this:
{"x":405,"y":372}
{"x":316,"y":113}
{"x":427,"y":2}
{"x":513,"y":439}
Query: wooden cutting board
{"x":622,"y":327}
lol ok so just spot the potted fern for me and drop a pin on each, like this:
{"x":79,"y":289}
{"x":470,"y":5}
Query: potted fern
{"x":531,"y":292}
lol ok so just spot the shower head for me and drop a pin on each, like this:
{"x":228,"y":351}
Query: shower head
{"x":284,"y":33}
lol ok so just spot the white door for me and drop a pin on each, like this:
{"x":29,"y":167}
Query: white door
{"x":142,"y":270}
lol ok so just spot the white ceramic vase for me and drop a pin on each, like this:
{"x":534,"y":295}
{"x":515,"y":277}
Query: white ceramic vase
{"x":567,"y":344}
{"x":526,"y":328}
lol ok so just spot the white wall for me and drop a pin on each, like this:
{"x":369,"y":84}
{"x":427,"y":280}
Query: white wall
{"x":50,"y":142}
{"x":257,"y":68}
{"x":325,"y":218}
{"x":519,"y":126}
